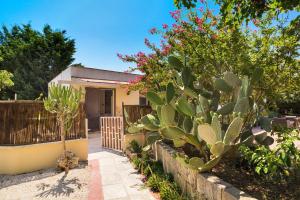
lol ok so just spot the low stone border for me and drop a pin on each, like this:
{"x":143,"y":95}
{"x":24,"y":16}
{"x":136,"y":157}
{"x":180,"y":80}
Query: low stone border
{"x":196,"y":185}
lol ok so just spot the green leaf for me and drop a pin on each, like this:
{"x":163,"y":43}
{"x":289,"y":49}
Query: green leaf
{"x":175,"y":63}
{"x":150,"y":122}
{"x":232,"y":80}
{"x":233,"y":130}
{"x":172,"y":132}
{"x":187,"y":124}
{"x":154,"y":98}
{"x":170,"y":92}
{"x":226,"y":109}
{"x":217,"y":149}
{"x":185,"y":107}
{"x":196,"y":162}
{"x":178,"y":143}
{"x":216,"y":125}
{"x":167,"y":115}
{"x":221,"y":85}
{"x":207,"y":133}
{"x":187,"y":77}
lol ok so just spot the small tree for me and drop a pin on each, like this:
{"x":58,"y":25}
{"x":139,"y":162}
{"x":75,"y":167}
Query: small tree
{"x":5,"y":79}
{"x":64,"y":101}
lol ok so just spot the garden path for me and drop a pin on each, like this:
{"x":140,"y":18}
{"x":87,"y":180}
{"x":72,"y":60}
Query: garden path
{"x":113,"y":177}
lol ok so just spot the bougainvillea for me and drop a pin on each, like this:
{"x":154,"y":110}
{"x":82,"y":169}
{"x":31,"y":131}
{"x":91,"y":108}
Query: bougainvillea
{"x":210,"y":48}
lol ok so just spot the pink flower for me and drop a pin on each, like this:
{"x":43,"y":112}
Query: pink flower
{"x":199,"y":22}
{"x":166,"y":49}
{"x":147,"y":42}
{"x":202,"y":1}
{"x":178,"y":28}
{"x":201,"y":9}
{"x":137,"y":79}
{"x":153,"y":30}
{"x":165,"y":26}
{"x":120,"y":56}
{"x":175,"y":14}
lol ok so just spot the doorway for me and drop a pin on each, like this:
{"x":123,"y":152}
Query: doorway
{"x":99,"y":102}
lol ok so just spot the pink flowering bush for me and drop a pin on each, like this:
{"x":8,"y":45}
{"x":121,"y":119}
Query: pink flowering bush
{"x":210,"y":48}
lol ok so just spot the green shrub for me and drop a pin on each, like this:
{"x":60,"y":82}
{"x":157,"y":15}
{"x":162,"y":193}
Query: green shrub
{"x":282,"y":162}
{"x":134,"y":147}
{"x":154,"y":182}
{"x":169,"y":191}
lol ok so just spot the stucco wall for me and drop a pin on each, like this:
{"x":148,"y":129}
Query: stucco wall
{"x":121,"y":96}
{"x":28,"y":158}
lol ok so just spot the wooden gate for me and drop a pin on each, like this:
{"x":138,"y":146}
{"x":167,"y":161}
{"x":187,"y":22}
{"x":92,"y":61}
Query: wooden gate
{"x":112,"y":132}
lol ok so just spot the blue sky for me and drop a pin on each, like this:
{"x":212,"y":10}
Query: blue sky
{"x":101,"y":28}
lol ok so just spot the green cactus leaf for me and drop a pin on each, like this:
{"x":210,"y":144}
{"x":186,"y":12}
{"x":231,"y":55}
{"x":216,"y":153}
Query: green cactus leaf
{"x":214,"y":103}
{"x":154,"y":98}
{"x":210,"y":164}
{"x":203,"y":107}
{"x":260,"y":136}
{"x":207,"y":133}
{"x":232,"y":79}
{"x":153,"y":138}
{"x":187,"y":77}
{"x":195,"y":128}
{"x":233,"y":130}
{"x":172,"y":132}
{"x":217,"y":149}
{"x":187,"y":124}
{"x":221,"y":85}
{"x":193,"y":140}
{"x":189,"y":92}
{"x":150,"y":122}
{"x":242,"y":106}
{"x":185,"y":107}
{"x":226,"y":109}
{"x":245,"y":88}
{"x":135,"y":128}
{"x":216,"y":125}
{"x":170,"y":92}
{"x":167,"y":115}
{"x":178,"y":143}
{"x":175,"y":63}
{"x":158,"y":111}
{"x":196,"y":162}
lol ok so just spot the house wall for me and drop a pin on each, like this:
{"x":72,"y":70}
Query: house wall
{"x":121,"y":96}
{"x":64,"y":75}
{"x":28,"y":158}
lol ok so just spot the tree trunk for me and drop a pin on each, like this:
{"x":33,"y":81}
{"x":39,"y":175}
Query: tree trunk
{"x":62,"y":134}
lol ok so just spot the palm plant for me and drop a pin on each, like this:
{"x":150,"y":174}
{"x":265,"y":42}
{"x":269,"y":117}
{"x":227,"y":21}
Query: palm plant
{"x":64,"y":101}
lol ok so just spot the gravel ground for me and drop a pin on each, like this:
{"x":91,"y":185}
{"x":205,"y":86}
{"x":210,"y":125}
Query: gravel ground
{"x":46,"y":184}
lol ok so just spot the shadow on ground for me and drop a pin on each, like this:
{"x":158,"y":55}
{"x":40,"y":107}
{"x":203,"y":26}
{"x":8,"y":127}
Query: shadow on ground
{"x":64,"y":187}
{"x":10,"y":180}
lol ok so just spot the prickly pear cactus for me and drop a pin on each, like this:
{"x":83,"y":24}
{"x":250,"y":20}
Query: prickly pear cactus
{"x":209,"y":117}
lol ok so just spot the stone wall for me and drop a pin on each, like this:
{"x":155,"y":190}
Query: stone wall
{"x":196,"y":185}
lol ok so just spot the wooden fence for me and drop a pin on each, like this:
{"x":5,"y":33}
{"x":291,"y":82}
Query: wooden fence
{"x":27,"y":122}
{"x":135,"y":112}
{"x":112,"y":132}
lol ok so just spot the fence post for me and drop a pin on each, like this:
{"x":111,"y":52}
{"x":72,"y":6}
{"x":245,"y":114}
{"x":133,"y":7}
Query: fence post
{"x":86,"y":123}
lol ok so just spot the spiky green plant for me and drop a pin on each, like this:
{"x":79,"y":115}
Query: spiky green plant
{"x":210,"y":117}
{"x":64,"y":101}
